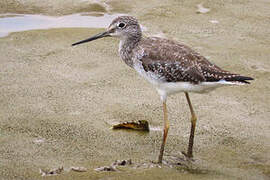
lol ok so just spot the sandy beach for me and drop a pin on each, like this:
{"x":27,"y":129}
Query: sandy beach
{"x":58,"y":103}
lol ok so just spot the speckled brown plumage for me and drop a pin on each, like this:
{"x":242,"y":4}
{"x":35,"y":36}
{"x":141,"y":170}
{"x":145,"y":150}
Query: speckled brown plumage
{"x":175,"y":62}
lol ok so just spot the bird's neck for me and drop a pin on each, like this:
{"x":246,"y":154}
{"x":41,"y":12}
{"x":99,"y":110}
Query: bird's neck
{"x":126,"y":46}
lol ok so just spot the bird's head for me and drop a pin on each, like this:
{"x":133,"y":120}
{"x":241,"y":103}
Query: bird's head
{"x":123,"y":27}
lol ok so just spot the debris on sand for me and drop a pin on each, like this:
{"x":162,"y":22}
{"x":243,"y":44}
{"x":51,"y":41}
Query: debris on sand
{"x":140,"y":125}
{"x":214,"y":21}
{"x":78,"y":169}
{"x":60,"y":170}
{"x":51,"y":172}
{"x":39,"y":140}
{"x":122,"y":162}
{"x":113,"y":166}
{"x":202,"y":9}
{"x":106,"y":168}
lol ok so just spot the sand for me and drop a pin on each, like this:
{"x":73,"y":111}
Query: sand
{"x":58,"y":103}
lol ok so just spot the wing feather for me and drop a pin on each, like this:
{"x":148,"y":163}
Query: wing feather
{"x":175,"y":62}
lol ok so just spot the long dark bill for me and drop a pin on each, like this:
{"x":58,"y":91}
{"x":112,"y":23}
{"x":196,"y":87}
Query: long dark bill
{"x":97,"y":36}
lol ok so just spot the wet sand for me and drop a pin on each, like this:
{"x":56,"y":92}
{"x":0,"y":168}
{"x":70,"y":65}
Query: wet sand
{"x":57,"y":102}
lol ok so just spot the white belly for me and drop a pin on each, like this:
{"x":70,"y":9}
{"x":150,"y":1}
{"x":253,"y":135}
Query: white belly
{"x":204,"y":87}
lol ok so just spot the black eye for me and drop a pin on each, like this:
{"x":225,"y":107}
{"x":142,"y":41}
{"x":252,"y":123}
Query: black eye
{"x":121,"y":25}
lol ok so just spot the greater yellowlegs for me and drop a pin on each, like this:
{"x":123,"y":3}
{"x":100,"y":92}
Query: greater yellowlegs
{"x":169,"y":66}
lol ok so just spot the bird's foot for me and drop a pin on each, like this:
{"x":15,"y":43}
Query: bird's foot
{"x":180,"y":160}
{"x":187,"y":156}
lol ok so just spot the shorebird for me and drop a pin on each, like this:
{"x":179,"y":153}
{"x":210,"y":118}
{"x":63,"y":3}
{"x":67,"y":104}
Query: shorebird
{"x":171,"y":67}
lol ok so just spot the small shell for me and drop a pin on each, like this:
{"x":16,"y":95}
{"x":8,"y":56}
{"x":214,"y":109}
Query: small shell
{"x":202,"y":9}
{"x":106,"y":168}
{"x":78,"y":169}
{"x":51,"y":172}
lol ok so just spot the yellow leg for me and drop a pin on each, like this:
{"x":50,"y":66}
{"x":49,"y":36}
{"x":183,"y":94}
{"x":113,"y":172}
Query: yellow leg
{"x":165,"y":132}
{"x":192,"y":129}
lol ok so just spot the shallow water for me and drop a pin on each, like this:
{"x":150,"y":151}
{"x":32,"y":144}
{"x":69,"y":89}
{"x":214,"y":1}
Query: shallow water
{"x":25,"y":22}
